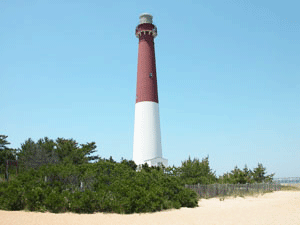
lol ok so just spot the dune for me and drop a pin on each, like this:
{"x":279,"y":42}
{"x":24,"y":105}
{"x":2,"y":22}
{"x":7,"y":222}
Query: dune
{"x":281,"y":207}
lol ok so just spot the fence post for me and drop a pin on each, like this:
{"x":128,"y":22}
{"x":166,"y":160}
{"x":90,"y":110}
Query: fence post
{"x":214,"y":190}
{"x":6,"y":171}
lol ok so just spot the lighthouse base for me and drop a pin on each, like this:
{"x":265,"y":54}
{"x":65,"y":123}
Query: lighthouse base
{"x":154,"y":162}
{"x":157,"y":162}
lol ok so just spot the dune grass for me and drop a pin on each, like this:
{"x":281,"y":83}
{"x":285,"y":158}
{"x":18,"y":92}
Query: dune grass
{"x":292,"y":187}
{"x":243,"y":195}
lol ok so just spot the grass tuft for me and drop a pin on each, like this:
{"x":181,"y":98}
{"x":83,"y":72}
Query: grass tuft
{"x":295,"y":187}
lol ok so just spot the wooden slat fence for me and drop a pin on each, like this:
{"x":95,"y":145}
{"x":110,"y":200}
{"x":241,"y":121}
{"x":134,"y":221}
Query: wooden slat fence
{"x":213,"y":190}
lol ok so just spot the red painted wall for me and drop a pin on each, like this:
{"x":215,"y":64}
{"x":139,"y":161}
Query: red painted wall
{"x":146,"y":89}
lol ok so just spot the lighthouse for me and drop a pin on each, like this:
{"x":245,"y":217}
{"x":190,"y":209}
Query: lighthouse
{"x":147,"y":137}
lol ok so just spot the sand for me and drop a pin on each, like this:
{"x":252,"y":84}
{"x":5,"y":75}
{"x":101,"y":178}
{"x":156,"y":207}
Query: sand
{"x":281,"y":207}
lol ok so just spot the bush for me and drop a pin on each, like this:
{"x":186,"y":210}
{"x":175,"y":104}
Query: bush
{"x":108,"y":187}
{"x":84,"y":202}
{"x":12,"y":196}
{"x":35,"y":199}
{"x":187,"y":198}
{"x":56,"y":202}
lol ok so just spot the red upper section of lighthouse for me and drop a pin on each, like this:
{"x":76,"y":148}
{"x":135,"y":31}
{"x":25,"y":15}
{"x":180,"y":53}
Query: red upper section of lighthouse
{"x":146,"y":72}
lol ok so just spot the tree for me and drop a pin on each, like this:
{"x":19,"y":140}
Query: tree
{"x":259,"y":174}
{"x":3,"y":142}
{"x":34,"y":155}
{"x":129,"y":163}
{"x":246,"y":175}
{"x":46,"y":151}
{"x":172,"y":171}
{"x":5,"y":152}
{"x":70,"y":152}
{"x":194,"y":172}
{"x":238,"y":176}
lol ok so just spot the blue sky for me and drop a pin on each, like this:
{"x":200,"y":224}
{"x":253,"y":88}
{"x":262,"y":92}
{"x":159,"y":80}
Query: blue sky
{"x":228,"y":78}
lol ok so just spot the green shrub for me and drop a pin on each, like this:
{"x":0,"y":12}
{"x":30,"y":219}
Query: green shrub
{"x":3,"y":195}
{"x":84,"y":202}
{"x":35,"y":199}
{"x":56,"y":202}
{"x":187,"y":198}
{"x":108,"y":187}
{"x":12,"y":196}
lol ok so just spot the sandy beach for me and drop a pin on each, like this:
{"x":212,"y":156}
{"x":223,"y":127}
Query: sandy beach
{"x":282,"y":207}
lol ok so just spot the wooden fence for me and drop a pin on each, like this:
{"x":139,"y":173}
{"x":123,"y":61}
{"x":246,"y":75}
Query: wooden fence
{"x":205,"y":191}
{"x":213,"y":190}
{"x":73,"y":182}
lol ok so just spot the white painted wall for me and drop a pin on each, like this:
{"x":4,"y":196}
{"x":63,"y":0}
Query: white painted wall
{"x":147,"y":137}
{"x":157,"y":162}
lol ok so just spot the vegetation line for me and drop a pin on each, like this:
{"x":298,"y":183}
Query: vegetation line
{"x":62,"y":176}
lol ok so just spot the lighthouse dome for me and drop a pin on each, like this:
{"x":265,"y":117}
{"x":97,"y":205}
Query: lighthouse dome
{"x":146,"y":18}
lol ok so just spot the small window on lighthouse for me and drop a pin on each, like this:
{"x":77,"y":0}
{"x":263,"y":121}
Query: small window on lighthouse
{"x":150,"y":75}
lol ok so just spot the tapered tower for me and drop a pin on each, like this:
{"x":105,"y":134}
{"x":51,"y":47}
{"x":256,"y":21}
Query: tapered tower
{"x":147,"y":137}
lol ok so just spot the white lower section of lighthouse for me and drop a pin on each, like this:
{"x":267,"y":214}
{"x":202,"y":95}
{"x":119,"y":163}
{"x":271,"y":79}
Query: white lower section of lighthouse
{"x":147,"y":138}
